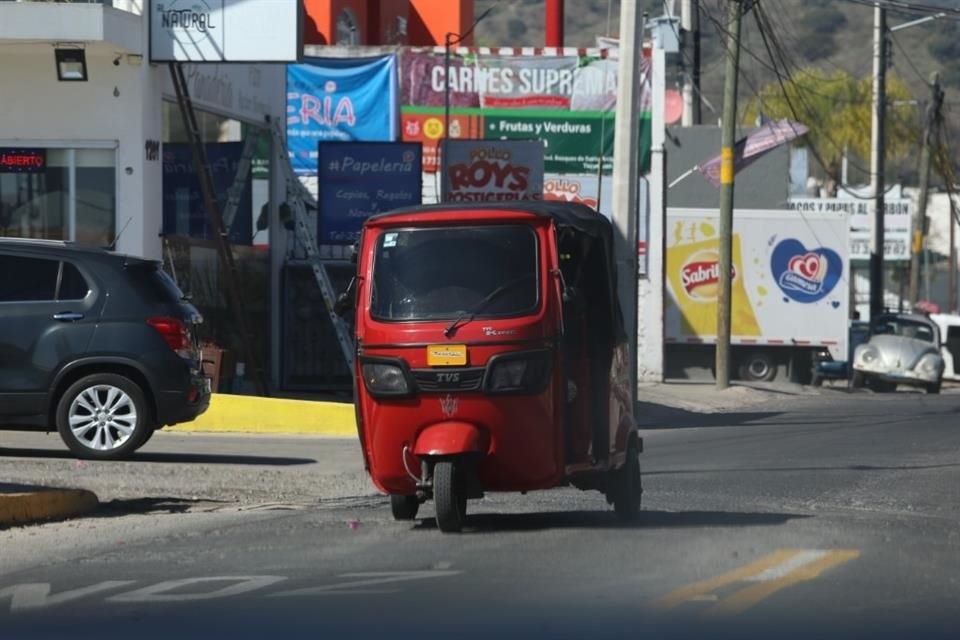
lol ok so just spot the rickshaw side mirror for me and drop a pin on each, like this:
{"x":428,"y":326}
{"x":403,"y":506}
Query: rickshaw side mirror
{"x":345,"y":300}
{"x":355,"y":252}
{"x":342,"y":305}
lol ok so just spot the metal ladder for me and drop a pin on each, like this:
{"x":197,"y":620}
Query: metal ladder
{"x":215,"y":218}
{"x":297,"y":197}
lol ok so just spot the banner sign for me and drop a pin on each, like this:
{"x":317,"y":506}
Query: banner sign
{"x":339,"y":99}
{"x":487,"y":171}
{"x":361,"y":179}
{"x":896,"y":231}
{"x":225,"y":31}
{"x":184,"y":213}
{"x":566,"y":100}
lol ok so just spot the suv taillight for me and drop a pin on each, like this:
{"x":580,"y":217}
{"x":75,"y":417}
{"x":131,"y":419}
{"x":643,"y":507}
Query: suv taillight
{"x":174,"y":332}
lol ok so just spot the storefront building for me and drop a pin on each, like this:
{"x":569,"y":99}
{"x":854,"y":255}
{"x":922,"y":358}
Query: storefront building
{"x":97,"y":153}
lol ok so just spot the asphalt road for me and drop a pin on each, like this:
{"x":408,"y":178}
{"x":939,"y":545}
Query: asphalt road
{"x":834,"y":516}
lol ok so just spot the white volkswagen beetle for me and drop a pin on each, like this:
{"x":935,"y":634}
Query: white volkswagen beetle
{"x":903,"y":349}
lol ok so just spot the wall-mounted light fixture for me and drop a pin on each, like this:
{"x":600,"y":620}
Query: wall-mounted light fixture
{"x":71,"y":64}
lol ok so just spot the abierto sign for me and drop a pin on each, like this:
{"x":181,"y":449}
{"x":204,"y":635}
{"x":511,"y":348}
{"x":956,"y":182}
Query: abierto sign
{"x":492,"y":170}
{"x":226,"y":31}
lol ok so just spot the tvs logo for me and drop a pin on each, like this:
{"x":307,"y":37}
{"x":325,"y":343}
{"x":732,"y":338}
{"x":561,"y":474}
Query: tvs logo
{"x":700,"y":275}
{"x":805,"y":275}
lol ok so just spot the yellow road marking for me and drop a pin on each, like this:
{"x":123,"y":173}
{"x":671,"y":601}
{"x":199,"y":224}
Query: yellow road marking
{"x":704,"y":587}
{"x":771,"y":573}
{"x":746,"y":598}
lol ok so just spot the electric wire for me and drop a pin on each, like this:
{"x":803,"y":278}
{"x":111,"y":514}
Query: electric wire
{"x":776,"y":54}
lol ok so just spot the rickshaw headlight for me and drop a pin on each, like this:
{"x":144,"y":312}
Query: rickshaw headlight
{"x":386,"y":379}
{"x":526,"y":372}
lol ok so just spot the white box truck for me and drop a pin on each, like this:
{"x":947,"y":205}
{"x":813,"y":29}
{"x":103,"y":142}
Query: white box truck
{"x":790,"y":291}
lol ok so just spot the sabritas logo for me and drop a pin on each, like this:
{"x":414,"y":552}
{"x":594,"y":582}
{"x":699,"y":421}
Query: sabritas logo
{"x":700,"y":275}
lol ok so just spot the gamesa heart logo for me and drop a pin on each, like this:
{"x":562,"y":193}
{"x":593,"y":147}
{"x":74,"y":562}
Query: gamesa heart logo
{"x":805,"y":275}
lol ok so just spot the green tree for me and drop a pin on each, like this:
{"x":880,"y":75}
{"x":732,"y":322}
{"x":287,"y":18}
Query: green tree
{"x":837,"y":109}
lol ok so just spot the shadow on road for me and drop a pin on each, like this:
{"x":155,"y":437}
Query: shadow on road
{"x":124,"y":507}
{"x":185,"y":458}
{"x":657,"y":416}
{"x":852,"y":467}
{"x":649,"y":519}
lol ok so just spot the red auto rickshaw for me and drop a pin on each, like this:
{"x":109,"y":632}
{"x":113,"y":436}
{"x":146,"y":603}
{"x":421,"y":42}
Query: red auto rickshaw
{"x":491,"y":356}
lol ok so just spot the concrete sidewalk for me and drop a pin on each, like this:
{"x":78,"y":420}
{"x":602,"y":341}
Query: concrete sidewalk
{"x":25,"y":504}
{"x":250,"y":414}
{"x":704,"y":397}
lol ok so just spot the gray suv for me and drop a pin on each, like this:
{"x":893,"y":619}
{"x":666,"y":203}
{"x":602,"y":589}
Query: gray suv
{"x":98,"y":345}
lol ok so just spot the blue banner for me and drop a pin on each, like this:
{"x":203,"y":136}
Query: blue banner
{"x":184,"y":212}
{"x":339,"y":99}
{"x":361,"y":179}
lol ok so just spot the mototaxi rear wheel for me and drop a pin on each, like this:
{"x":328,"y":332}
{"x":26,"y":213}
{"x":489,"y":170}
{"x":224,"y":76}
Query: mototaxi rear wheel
{"x":404,"y":507}
{"x":628,"y":487}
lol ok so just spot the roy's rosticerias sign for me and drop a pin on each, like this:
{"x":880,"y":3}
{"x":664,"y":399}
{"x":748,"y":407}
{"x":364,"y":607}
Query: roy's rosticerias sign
{"x":491,"y":170}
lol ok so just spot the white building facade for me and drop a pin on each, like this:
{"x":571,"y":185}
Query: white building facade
{"x":108,"y":156}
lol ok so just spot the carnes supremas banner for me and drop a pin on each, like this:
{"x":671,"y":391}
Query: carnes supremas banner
{"x":565,"y":97}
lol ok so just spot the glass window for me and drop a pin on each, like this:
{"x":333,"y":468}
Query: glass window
{"x":96,"y":196}
{"x":239,"y":158}
{"x":73,"y":286}
{"x":73,"y":198}
{"x":156,"y":285}
{"x":37,"y":205}
{"x":27,"y":279}
{"x":435,"y":274}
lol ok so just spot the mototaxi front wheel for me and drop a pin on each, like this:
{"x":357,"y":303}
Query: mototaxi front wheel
{"x":449,"y":496}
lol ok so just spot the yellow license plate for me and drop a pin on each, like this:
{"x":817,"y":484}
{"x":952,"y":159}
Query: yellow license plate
{"x":447,"y":355}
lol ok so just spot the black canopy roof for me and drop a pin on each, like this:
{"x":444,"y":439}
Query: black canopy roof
{"x":565,"y":214}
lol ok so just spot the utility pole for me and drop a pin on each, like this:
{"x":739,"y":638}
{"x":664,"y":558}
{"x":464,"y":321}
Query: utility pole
{"x":554,"y":23}
{"x":690,"y":28}
{"x":727,"y":140}
{"x":931,"y":122}
{"x":952,"y":272}
{"x":877,"y":145}
{"x":626,"y":145}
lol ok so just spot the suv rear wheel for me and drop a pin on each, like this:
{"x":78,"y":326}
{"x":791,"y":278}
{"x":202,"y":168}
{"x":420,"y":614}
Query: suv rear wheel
{"x":103,"y":416}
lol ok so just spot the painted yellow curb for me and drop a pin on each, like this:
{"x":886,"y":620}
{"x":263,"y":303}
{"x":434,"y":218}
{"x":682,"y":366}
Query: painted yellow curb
{"x":249,"y":414}
{"x":48,"y":504}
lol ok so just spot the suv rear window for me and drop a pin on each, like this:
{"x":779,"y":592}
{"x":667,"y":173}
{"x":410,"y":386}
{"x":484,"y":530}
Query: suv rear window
{"x":156,"y":285}
{"x":73,"y":286}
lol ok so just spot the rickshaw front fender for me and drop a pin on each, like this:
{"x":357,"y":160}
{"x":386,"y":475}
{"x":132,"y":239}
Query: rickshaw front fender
{"x":451,"y":438}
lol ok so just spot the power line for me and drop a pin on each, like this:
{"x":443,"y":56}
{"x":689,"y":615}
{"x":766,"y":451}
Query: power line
{"x":766,"y":65}
{"x":906,"y":57}
{"x":910,"y":8}
{"x":771,"y":46}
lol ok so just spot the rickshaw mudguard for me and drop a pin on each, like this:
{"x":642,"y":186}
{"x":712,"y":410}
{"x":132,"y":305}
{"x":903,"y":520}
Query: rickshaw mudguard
{"x":451,"y":438}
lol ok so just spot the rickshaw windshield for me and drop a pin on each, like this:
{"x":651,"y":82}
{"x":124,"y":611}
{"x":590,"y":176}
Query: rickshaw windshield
{"x":486,"y":271}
